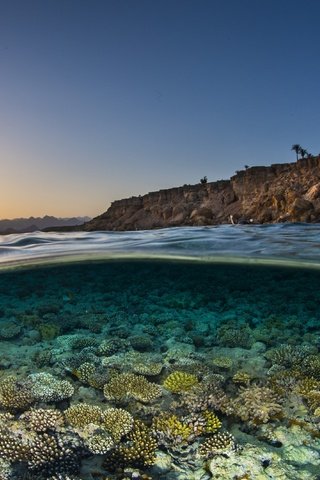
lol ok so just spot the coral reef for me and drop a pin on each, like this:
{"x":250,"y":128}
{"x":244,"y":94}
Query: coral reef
{"x":117,"y":422}
{"x":126,"y":385}
{"x":83,"y":414}
{"x":15,"y":394}
{"x":256,"y":405}
{"x":138,"y":451}
{"x":41,"y":420}
{"x":179,"y":382}
{"x":186,"y":372}
{"x":219,"y":444}
{"x":46,"y":388}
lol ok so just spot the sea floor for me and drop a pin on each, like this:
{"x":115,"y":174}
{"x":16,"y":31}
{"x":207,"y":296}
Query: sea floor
{"x":159,"y":370}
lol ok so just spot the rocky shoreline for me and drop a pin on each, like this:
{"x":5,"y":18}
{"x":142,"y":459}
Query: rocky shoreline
{"x":287,"y":192}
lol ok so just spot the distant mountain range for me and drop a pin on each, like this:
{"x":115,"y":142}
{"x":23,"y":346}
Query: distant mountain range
{"x":32,"y":224}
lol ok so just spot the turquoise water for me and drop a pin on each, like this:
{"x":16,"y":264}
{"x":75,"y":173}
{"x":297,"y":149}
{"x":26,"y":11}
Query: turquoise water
{"x":190,"y":354}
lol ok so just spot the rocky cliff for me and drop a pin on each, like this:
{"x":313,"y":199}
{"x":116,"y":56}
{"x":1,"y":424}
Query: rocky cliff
{"x":287,"y":192}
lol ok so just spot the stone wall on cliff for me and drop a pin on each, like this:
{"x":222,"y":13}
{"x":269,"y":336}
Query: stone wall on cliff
{"x":277,"y":193}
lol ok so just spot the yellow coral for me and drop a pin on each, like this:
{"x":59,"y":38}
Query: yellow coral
{"x":212,"y":422}
{"x":172,"y":427}
{"x":178,"y":382}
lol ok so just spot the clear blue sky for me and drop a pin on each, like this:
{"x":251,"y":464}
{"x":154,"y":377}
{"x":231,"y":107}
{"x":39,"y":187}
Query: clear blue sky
{"x":104,"y":99}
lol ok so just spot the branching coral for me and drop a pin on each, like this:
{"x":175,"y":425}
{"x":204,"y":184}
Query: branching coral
{"x":288,"y":355}
{"x":111,"y":346}
{"x":137,"y":451}
{"x":170,"y":430}
{"x":149,"y":369}
{"x":311,"y":366}
{"x":84,"y":372}
{"x":231,"y":334}
{"x":222,"y":362}
{"x":54,"y":454}
{"x":100,"y":443}
{"x":126,"y":385}
{"x":83,"y":414}
{"x":212,"y":422}
{"x":46,"y":388}
{"x":219,"y":444}
{"x":15,"y":394}
{"x":206,"y":396}
{"x":257,"y":405}
{"x":117,"y":422}
{"x":241,"y":377}
{"x":12,"y":448}
{"x":179,"y":382}
{"x":41,"y":420}
{"x":44,"y":455}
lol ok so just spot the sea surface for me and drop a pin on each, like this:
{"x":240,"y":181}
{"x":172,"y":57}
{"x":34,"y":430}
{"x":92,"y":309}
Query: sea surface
{"x":183,"y":353}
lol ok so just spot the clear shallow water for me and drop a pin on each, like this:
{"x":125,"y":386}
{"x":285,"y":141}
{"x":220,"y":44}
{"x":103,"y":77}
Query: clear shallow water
{"x":219,"y":360}
{"x":294,"y":242}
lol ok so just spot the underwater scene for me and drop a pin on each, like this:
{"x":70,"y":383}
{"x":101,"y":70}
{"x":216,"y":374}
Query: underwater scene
{"x":158,"y":359}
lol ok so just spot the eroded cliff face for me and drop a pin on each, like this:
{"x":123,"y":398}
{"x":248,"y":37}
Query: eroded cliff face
{"x":287,"y":192}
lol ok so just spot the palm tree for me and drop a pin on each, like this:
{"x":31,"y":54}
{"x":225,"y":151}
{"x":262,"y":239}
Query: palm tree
{"x":296,"y":148}
{"x":303,"y":152}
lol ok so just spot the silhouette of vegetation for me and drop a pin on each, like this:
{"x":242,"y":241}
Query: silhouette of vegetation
{"x":300,"y":151}
{"x":204,"y":179}
{"x":296,"y":148}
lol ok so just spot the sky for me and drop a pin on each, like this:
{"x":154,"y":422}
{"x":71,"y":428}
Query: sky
{"x":105,"y":99}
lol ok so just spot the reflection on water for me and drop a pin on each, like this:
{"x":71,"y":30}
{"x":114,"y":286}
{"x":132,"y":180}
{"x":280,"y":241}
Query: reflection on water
{"x":159,"y":369}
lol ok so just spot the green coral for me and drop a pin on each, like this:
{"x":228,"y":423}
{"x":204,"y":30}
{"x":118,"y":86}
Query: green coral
{"x":179,"y":382}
